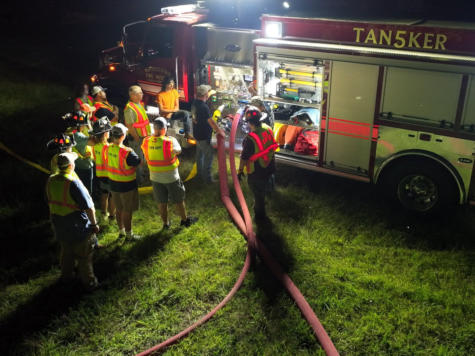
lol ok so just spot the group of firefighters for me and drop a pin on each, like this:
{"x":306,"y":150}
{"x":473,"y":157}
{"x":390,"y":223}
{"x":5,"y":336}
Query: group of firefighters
{"x":97,"y":158}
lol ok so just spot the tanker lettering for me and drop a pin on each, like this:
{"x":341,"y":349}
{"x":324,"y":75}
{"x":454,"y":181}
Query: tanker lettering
{"x":401,"y":38}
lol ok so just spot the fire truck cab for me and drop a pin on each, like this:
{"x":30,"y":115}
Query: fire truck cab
{"x":381,"y":103}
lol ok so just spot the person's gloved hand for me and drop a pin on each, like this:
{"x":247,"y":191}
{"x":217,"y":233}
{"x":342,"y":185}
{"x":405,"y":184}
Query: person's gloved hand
{"x":241,"y":175}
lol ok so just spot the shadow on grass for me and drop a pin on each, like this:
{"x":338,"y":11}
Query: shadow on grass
{"x":113,"y":268}
{"x":346,"y":203}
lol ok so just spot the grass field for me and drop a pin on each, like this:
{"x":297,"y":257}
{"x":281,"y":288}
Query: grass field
{"x":381,"y":282}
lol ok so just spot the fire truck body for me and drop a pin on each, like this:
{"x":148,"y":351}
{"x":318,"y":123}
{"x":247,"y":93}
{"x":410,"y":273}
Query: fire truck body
{"x":400,"y":112}
{"x":387,"y":103}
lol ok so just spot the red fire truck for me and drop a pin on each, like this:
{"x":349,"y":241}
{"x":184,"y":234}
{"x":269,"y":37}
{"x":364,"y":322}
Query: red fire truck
{"x":385,"y":103}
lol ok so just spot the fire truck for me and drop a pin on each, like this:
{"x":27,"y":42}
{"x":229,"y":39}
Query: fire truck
{"x":386,"y":103}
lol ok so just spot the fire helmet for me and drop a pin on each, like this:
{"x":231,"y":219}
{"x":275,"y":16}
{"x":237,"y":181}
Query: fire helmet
{"x":100,"y":126}
{"x":252,"y":115}
{"x":76,"y":119}
{"x":60,"y":143}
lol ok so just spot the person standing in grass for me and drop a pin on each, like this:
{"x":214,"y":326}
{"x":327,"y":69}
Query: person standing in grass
{"x":103,"y":107}
{"x":203,"y":126}
{"x":257,"y":157}
{"x":78,"y":128}
{"x":161,"y":152}
{"x":84,"y":102}
{"x":100,"y":131}
{"x":169,"y":104}
{"x":137,"y":122}
{"x":74,"y":221}
{"x":121,"y":163}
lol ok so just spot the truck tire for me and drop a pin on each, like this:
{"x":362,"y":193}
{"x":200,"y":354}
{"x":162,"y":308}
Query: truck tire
{"x":422,"y":186}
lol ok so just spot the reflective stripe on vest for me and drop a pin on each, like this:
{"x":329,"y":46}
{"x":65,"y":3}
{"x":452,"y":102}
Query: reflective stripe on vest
{"x":142,"y":125}
{"x":115,"y":163}
{"x":158,"y":152}
{"x":97,"y":154}
{"x":264,"y":147}
{"x":59,"y":199}
{"x":90,"y":101}
{"x":100,"y":105}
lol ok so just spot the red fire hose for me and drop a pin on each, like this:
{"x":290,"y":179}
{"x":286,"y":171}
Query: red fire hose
{"x":245,"y":225}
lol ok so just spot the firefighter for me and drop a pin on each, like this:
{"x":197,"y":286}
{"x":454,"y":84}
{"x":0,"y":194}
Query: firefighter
{"x":59,"y":144}
{"x":138,"y":125}
{"x":84,"y":102}
{"x":203,"y":126}
{"x":74,"y":222}
{"x":257,"y":158}
{"x":103,"y":107}
{"x":161,"y":155}
{"x":78,"y":128}
{"x":168,"y":103}
{"x":101,"y":130}
{"x":121,"y":163}
{"x":267,"y":115}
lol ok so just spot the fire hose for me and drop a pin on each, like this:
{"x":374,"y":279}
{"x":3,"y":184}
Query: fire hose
{"x":253,"y":245}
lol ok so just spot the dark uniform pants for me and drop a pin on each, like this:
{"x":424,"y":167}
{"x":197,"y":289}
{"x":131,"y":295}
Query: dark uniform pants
{"x":260,"y":187}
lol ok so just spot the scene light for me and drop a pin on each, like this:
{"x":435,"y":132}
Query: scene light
{"x":285,"y":5}
{"x":112,"y":68}
{"x":178,"y":10}
{"x":94,"y":78}
{"x":273,"y":29}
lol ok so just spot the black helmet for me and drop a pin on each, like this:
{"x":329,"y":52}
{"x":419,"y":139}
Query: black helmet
{"x":252,"y":115}
{"x":100,"y":126}
{"x":76,"y":119}
{"x":60,"y":143}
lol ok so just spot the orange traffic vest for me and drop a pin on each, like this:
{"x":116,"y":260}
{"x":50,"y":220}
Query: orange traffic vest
{"x":115,"y":163}
{"x":158,"y":152}
{"x":97,"y":154}
{"x":100,"y":105}
{"x":264,"y":147}
{"x":59,"y":199}
{"x":142,"y":124}
{"x":90,"y":101}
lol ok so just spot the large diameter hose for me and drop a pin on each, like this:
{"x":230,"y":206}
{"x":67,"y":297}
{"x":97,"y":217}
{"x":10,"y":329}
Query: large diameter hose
{"x":245,"y":225}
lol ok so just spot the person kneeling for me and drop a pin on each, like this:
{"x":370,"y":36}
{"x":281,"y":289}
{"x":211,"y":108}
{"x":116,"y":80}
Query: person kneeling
{"x":161,"y":152}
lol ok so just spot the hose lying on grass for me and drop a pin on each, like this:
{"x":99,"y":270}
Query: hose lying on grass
{"x":253,"y":245}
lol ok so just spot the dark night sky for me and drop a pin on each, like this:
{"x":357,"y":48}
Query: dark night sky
{"x":80,"y":29}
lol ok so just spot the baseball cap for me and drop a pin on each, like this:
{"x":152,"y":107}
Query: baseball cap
{"x":96,"y":89}
{"x":119,"y":130}
{"x":204,"y":89}
{"x":66,"y":158}
{"x":161,"y":122}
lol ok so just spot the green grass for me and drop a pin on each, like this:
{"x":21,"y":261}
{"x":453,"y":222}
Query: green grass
{"x":380,"y":281}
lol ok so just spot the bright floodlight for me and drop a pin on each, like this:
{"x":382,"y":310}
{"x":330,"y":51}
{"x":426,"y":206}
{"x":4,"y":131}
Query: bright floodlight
{"x":273,"y":29}
{"x":286,"y":4}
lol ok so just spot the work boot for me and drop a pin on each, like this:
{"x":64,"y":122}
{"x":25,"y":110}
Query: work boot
{"x":190,"y":220}
{"x":167,"y":225}
{"x":131,"y":236}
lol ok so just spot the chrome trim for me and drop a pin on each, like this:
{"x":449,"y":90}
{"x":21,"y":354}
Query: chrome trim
{"x":365,"y":50}
{"x":227,"y":64}
{"x":176,"y":73}
{"x":313,"y":167}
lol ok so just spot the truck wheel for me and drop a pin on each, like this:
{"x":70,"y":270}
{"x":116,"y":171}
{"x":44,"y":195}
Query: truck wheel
{"x":422,"y":186}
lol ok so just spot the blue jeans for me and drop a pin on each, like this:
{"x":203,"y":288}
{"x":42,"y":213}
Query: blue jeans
{"x":204,"y":159}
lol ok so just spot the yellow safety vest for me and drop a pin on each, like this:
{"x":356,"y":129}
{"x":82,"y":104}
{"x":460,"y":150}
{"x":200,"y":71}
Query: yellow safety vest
{"x":115,"y":162}
{"x":98,"y":156}
{"x":158,"y":152}
{"x":90,"y":101}
{"x":264,"y":147}
{"x":59,"y":198}
{"x":142,"y":124}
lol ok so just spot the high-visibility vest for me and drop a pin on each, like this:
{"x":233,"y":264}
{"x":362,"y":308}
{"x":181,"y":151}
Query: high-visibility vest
{"x":115,"y":163}
{"x":264,"y":147}
{"x":142,"y":124}
{"x":101,"y":105}
{"x":158,"y":152}
{"x":97,"y":154}
{"x":59,"y":198}
{"x":90,"y":101}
